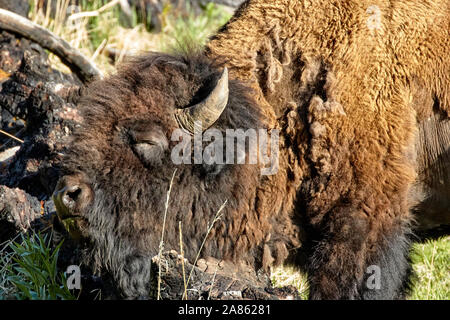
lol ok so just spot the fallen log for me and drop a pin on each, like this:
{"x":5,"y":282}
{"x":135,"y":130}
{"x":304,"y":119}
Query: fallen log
{"x":77,"y":62}
{"x":18,"y":212}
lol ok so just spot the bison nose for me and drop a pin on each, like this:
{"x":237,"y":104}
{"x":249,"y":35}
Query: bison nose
{"x":71,"y":196}
{"x":68,"y":196}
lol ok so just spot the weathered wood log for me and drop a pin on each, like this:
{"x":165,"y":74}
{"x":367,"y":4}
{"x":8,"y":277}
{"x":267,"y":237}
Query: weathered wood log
{"x":77,"y":62}
{"x":18,"y":211}
{"x":42,"y":99}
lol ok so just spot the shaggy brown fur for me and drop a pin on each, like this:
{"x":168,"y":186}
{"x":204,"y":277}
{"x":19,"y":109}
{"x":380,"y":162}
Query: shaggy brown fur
{"x":360,"y":152}
{"x":341,"y":95}
{"x":125,"y":218}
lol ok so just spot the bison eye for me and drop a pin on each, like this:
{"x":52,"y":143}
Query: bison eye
{"x":148,"y":152}
{"x":145,"y":138}
{"x":149,"y":146}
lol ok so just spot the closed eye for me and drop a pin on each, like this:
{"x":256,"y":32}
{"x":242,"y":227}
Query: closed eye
{"x":146,"y":139}
{"x":148,"y":142}
{"x":150,"y":153}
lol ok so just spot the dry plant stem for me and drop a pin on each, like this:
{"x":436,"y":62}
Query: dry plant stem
{"x":212,"y":281}
{"x":94,"y":13}
{"x":8,"y":256}
{"x":11,"y":136}
{"x":47,"y":15}
{"x":99,"y":49}
{"x":161,"y":244}
{"x":216,"y":218}
{"x":61,"y":9}
{"x":182,"y":260}
{"x":77,"y":62}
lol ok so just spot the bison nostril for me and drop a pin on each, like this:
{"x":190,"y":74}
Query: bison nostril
{"x":71,"y":196}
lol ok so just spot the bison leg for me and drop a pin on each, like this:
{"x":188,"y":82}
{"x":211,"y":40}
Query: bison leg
{"x":351,"y":261}
{"x":391,"y":269}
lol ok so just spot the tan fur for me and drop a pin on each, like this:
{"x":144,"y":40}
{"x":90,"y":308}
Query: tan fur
{"x":354,"y":142}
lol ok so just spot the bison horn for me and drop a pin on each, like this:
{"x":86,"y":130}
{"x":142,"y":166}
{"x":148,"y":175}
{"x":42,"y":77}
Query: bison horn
{"x":206,"y":112}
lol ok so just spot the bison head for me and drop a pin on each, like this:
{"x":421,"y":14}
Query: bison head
{"x":118,"y":168}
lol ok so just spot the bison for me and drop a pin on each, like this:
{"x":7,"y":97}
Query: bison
{"x":347,"y":84}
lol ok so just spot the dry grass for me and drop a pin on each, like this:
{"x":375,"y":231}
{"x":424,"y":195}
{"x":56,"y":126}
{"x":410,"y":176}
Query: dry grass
{"x":289,"y":276}
{"x":161,"y":244}
{"x":96,"y":27}
{"x":7,"y":290}
{"x":216,"y":218}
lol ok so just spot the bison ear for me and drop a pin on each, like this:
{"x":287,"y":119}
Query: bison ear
{"x":208,"y":111}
